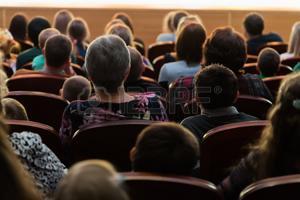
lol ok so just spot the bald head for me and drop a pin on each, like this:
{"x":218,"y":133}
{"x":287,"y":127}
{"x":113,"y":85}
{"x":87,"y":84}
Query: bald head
{"x":76,"y":88}
{"x":45,"y":34}
{"x":98,"y":180}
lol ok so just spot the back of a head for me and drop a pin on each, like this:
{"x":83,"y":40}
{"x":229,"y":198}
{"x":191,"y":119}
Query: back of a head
{"x":123,"y":32}
{"x":13,"y":109}
{"x":294,"y":43}
{"x":18,"y":27}
{"x":165,"y":148}
{"x":76,"y":88}
{"x":125,"y":18}
{"x":78,"y":29}
{"x":168,"y":23}
{"x":268,"y":62}
{"x":177,"y":16}
{"x":216,"y":87}
{"x":254,"y":24}
{"x":93,"y":180}
{"x":189,"y":43}
{"x":137,"y":66}
{"x":58,"y":50}
{"x":35,"y":26}
{"x":108,"y":62}
{"x":187,"y":20}
{"x":62,"y":19}
{"x":111,"y":23}
{"x":227,"y":47}
{"x":45,"y":34}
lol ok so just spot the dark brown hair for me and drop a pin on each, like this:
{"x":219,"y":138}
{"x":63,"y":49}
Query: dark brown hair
{"x":125,"y":18}
{"x":18,"y":27}
{"x":190,"y":42}
{"x":216,"y":87}
{"x":254,"y":24}
{"x":78,"y":29}
{"x":268,"y":62}
{"x":227,"y":47}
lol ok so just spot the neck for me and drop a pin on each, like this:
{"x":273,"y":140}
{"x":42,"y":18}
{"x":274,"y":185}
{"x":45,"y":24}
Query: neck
{"x":120,"y":96}
{"x":52,"y":70}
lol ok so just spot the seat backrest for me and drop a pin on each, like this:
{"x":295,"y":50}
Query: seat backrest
{"x":7,"y":69}
{"x":149,"y":72}
{"x":78,"y":70}
{"x":160,"y":48}
{"x":291,"y":61}
{"x":284,"y":70}
{"x":224,"y":146}
{"x":27,"y":66}
{"x":277,"y":188}
{"x":147,"y":186}
{"x":273,"y":83}
{"x":255,"y":106}
{"x":251,"y":59}
{"x":110,"y":141}
{"x":41,"y":107}
{"x":280,"y":47}
{"x":252,"y":69}
{"x":48,"y":134}
{"x":36,"y":82}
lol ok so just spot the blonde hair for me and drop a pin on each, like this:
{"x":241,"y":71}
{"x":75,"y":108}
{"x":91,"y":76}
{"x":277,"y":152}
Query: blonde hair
{"x":294,"y":43}
{"x":13,"y":109}
{"x":187,"y":20}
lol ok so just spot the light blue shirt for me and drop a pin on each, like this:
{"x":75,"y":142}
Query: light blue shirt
{"x":174,"y":70}
{"x":38,"y":62}
{"x":166,"y":37}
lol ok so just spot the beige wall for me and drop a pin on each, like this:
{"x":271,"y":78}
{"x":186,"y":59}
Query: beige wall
{"x":147,"y":22}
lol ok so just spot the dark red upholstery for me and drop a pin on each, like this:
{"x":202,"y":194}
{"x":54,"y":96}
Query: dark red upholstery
{"x":78,"y":70}
{"x":36,"y":82}
{"x":280,"y":47}
{"x":48,"y":134}
{"x":147,"y":186}
{"x":291,"y":61}
{"x":149,"y":72}
{"x":277,"y":188}
{"x":27,"y":66}
{"x":80,"y":60}
{"x":252,"y":69}
{"x":111,"y":141}
{"x":273,"y":83}
{"x":224,"y":146}
{"x":160,"y":48}
{"x":41,"y":107}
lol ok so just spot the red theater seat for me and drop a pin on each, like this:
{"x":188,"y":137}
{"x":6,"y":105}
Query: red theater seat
{"x":291,"y":61}
{"x":36,"y":82}
{"x":280,"y":47}
{"x":278,"y":188}
{"x":48,"y":134}
{"x":160,"y":48}
{"x":41,"y":107}
{"x":110,"y":141}
{"x":273,"y":83}
{"x":147,"y":186}
{"x":224,"y":146}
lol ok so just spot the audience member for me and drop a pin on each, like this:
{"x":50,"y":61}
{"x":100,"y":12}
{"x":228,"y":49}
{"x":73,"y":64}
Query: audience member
{"x":18,"y":29}
{"x":3,"y":79}
{"x":268,"y":62}
{"x":167,"y":29}
{"x":165,"y":148}
{"x":35,"y":26}
{"x":13,"y":109}
{"x":38,"y":62}
{"x":108,"y":65}
{"x":227,"y":47}
{"x":294,"y":43}
{"x":98,"y":180}
{"x":187,"y":20}
{"x":57,"y":54}
{"x":61,"y":20}
{"x":216,"y":91}
{"x":123,"y":32}
{"x":7,"y":46}
{"x":277,"y":152}
{"x":79,"y":33}
{"x":76,"y":88}
{"x":254,"y":27}
{"x":111,"y":23}
{"x":15,"y":182}
{"x":189,"y":44}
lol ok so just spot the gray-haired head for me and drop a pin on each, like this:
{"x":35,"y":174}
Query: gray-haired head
{"x":46,"y":34}
{"x":108,"y":62}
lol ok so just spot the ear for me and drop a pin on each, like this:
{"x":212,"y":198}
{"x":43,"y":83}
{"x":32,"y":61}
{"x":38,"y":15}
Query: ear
{"x":132,"y":154}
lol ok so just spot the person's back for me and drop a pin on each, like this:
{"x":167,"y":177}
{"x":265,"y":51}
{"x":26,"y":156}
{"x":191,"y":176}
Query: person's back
{"x":165,"y":148}
{"x":35,"y":26}
{"x":254,"y":26}
{"x":216,"y":91}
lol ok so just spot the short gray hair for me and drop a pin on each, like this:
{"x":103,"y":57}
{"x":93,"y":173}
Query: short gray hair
{"x":108,"y":62}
